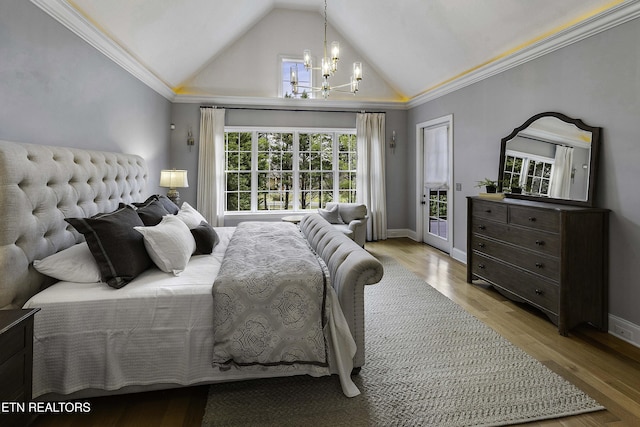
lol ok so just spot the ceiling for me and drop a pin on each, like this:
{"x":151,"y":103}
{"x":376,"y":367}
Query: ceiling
{"x":414,"y":47}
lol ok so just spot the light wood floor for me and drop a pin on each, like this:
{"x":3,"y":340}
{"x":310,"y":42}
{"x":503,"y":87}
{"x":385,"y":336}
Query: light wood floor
{"x":603,"y":366}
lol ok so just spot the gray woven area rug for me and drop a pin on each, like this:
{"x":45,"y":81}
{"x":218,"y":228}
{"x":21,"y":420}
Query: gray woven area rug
{"x":428,"y":363}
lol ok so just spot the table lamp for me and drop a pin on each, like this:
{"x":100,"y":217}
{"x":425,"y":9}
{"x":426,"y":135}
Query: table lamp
{"x":172,"y":179}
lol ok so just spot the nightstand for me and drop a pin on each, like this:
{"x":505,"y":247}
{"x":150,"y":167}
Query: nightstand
{"x":16,"y":362}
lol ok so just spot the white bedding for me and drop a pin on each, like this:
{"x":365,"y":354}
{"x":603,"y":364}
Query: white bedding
{"x":156,"y":330}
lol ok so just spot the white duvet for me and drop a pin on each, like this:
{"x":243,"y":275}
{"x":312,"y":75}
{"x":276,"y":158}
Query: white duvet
{"x":155,"y":330}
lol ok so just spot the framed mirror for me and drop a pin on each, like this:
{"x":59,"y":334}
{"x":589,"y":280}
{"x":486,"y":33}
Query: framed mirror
{"x":551,"y":158}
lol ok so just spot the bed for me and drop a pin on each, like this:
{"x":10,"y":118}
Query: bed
{"x":156,"y":332}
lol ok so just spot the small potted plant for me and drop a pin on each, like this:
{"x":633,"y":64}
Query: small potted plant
{"x":515,"y":188}
{"x":512,"y":186}
{"x":490,"y":185}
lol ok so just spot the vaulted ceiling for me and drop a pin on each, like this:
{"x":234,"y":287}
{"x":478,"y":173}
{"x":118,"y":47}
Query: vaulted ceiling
{"x":410,"y":48}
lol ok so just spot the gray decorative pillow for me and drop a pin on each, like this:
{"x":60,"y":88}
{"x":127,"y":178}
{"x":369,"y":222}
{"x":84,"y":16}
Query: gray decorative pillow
{"x":332,"y":215}
{"x":171,"y":207}
{"x":151,"y":212}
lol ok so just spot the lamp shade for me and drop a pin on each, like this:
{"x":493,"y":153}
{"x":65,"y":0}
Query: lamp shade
{"x":173,"y":178}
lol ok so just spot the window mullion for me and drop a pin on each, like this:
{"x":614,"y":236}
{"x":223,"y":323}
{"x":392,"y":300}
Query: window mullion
{"x":296,"y":170}
{"x":336,"y":166}
{"x":254,"y":171}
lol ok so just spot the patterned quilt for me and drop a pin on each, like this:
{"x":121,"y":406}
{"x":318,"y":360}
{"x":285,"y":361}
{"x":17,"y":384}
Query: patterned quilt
{"x":269,"y":300}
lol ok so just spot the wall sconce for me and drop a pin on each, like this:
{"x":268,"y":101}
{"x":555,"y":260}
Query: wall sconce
{"x":190,"y":141}
{"x":392,"y":144}
{"x":172,"y":179}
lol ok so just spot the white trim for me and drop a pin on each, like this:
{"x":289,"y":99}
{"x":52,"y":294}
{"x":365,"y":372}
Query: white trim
{"x":440,"y":121}
{"x":397,"y":233}
{"x":603,"y":21}
{"x":64,"y":13}
{"x":624,"y":330}
{"x":459,"y":255}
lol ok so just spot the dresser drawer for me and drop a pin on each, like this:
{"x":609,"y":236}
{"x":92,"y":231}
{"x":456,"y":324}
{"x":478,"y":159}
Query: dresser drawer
{"x":493,"y":211}
{"x":533,"y":262}
{"x":533,"y":289}
{"x":545,"y":243}
{"x":548,"y":220}
{"x":12,"y":380}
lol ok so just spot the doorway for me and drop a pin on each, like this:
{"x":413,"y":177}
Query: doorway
{"x":434,"y":174}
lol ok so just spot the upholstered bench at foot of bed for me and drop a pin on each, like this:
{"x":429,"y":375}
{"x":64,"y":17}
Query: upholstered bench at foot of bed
{"x":351,"y":267}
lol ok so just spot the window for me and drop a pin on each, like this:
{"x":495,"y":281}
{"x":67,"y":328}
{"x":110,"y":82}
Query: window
{"x":304,"y":78}
{"x":284,"y":170}
{"x":533,"y":173}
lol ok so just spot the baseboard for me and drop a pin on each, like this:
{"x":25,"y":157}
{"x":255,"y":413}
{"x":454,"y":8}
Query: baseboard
{"x":459,"y":255}
{"x":624,"y":330}
{"x":399,"y":232}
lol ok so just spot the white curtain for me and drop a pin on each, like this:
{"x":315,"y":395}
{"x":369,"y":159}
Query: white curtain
{"x":560,"y":185}
{"x":370,"y":176}
{"x":211,"y":166}
{"x":436,"y":158}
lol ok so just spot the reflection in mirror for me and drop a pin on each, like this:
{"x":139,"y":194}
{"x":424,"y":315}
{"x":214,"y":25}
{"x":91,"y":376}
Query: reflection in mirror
{"x":550,"y":157}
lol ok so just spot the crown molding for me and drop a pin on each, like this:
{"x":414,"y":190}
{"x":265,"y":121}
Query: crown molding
{"x":301,"y":104}
{"x":603,"y":21}
{"x":62,"y":12}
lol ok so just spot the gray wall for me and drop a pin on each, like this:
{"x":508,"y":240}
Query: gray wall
{"x":187,"y":116}
{"x":596,"y":80}
{"x":55,"y":89}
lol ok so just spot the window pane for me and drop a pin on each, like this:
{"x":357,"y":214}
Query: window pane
{"x":304,"y":142}
{"x":244,"y":181}
{"x":304,"y":79}
{"x":244,"y":201}
{"x":245,"y":141}
{"x":232,"y":201}
{"x":232,"y":181}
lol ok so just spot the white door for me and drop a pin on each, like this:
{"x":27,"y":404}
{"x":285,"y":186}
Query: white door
{"x":435,"y":183}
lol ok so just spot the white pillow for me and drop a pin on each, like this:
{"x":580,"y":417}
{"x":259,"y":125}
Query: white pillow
{"x":190,"y":216}
{"x":169,"y":244}
{"x":331,"y":215}
{"x":74,"y":264}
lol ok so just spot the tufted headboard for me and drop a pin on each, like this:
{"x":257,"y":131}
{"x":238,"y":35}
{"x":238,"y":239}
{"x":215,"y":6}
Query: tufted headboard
{"x":39,"y":187}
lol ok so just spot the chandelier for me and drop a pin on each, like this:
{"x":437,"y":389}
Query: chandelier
{"x":328,"y":69}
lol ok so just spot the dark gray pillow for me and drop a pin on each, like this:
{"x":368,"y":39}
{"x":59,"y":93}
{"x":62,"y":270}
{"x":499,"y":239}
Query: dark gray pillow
{"x":151,"y":212}
{"x":171,"y":207}
{"x":117,"y":248}
{"x":206,"y":238}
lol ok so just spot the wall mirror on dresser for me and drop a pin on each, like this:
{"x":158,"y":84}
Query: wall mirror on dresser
{"x":551,"y":157}
{"x":548,"y":246}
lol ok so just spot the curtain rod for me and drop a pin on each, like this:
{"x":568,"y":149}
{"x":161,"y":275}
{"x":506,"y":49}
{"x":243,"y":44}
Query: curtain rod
{"x":293,"y":109}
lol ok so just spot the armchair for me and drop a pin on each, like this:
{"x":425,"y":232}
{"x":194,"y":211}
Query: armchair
{"x":352,"y":220}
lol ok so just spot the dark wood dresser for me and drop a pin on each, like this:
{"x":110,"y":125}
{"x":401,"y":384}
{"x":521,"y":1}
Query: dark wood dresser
{"x":16,"y":362}
{"x":552,"y":256}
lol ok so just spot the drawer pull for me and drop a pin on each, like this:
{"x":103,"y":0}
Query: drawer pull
{"x":481,"y":227}
{"x":539,"y":292}
{"x":481,"y":245}
{"x":487,"y":210}
{"x":539,"y":265}
{"x":540,"y":242}
{"x":532,"y":218}
{"x":480,"y":265}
